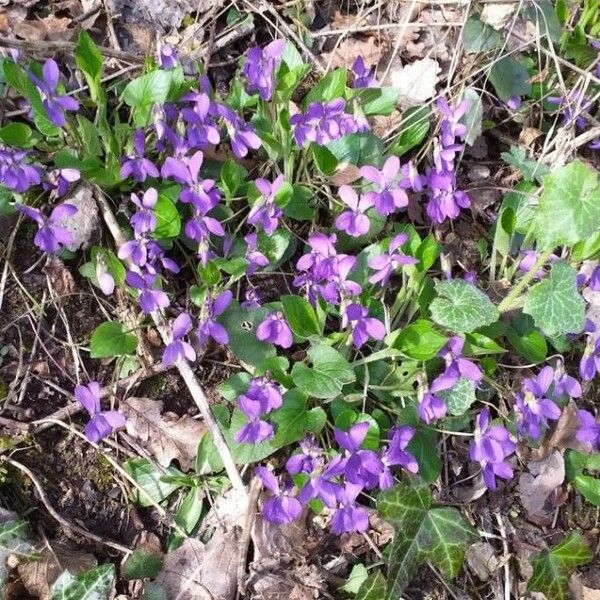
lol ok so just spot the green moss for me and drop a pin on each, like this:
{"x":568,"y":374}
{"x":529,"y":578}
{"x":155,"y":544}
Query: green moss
{"x":102,"y":475}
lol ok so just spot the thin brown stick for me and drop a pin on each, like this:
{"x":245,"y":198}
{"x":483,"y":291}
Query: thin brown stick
{"x":56,"y":516}
{"x":255,"y":487}
{"x":182,"y":366}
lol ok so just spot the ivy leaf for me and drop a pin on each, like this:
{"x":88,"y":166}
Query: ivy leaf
{"x":555,"y":304}
{"x":14,"y":540}
{"x":552,"y":568}
{"x":569,"y":207}
{"x":142,"y":563}
{"x":330,"y":371}
{"x":461,"y":307}
{"x":424,"y":533}
{"x":300,"y":316}
{"x":109,"y":340}
{"x":94,"y":584}
{"x":460,"y":397}
{"x":373,"y":588}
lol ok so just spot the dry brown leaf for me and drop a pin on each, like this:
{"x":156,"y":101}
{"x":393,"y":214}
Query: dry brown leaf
{"x":580,"y":591}
{"x":167,"y":436}
{"x":416,"y":82}
{"x":39,"y":575}
{"x":563,"y":436}
{"x":537,"y":487}
{"x":197,"y":571}
{"x":32,"y":31}
{"x":528,"y":135}
{"x":497,"y":15}
{"x":482,"y":560}
{"x":343,"y":54}
{"x":346,"y":175}
{"x":60,"y":277}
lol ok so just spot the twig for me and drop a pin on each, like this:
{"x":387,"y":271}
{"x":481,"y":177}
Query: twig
{"x":506,"y":556}
{"x":255,"y":487}
{"x":182,"y":366}
{"x":55,"y":515}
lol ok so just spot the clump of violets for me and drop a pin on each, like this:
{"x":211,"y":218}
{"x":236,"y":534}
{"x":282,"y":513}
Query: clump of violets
{"x":324,"y":122}
{"x":54,"y":103}
{"x":101,"y":423}
{"x":259,"y":68}
{"x":491,"y":446}
{"x":137,"y":166}
{"x":338,"y":481}
{"x":51,"y":235}
{"x":445,"y":201}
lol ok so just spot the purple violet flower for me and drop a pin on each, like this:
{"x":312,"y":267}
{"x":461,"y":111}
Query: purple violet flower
{"x":322,"y":484}
{"x":386,"y":264}
{"x":349,"y":516}
{"x":137,"y":165}
{"x":445,"y":201}
{"x":388,"y":196}
{"x":456,"y":365}
{"x":242,"y":135}
{"x":51,"y":236}
{"x":396,"y":455}
{"x":265,"y":211}
{"x":275,"y":330}
{"x":202,"y":130}
{"x":55,"y":105}
{"x":589,"y":430}
{"x":252,"y":299}
{"x":532,"y":408}
{"x":60,"y":180}
{"x":354,"y":221}
{"x":266,"y":393}
{"x":590,"y":361}
{"x":490,"y":447}
{"x":339,"y":287}
{"x":432,"y":407}
{"x":15,"y":173}
{"x":259,"y":68}
{"x":150,"y":299}
{"x":144,"y":220}
{"x":363,"y":77}
{"x":105,"y":280}
{"x":256,"y":259}
{"x":102,"y":423}
{"x":308,"y":460}
{"x":179,"y":349}
{"x":208,"y":327}
{"x":167,"y":57}
{"x":564,"y":384}
{"x":363,"y":327}
{"x":255,"y":430}
{"x":574,"y":108}
{"x":282,"y":507}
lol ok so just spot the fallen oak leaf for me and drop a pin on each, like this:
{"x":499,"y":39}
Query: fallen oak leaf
{"x":167,"y":436}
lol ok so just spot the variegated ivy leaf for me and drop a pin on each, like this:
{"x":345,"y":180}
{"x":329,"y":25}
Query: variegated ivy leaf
{"x":94,"y":584}
{"x":373,"y":588}
{"x":555,"y":304}
{"x":424,"y":534}
{"x":460,"y":397}
{"x":462,"y":307}
{"x":14,"y":539}
{"x":569,"y":207}
{"x":552,"y":568}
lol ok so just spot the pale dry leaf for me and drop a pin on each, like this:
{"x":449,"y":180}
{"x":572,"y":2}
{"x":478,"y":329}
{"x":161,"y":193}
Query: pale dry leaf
{"x":482,"y":560}
{"x":275,"y":581}
{"x":229,"y":511}
{"x":497,"y":15}
{"x":537,"y":487}
{"x":564,"y":433}
{"x":345,"y":176}
{"x":371,"y":48}
{"x":290,"y":541}
{"x":84,"y":225}
{"x":60,"y":277}
{"x":197,"y":571}
{"x":39,"y":575}
{"x":579,"y":591}
{"x":167,"y":436}
{"x":29,"y":30}
{"x":416,"y":82}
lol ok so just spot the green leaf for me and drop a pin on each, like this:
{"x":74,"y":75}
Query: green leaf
{"x":377,"y":101}
{"x":527,"y":340}
{"x":18,"y":134}
{"x":587,"y":249}
{"x":423,"y":533}
{"x":373,"y":588}
{"x":510,"y":78}
{"x":555,"y":304}
{"x":473,"y":117}
{"x":110,"y":340}
{"x":301,"y":206}
{"x":241,"y":324}
{"x":168,"y":221}
{"x":89,"y":136}
{"x":588,"y":486}
{"x":301,"y":317}
{"x":545,"y":17}
{"x":330,"y":371}
{"x":233,"y":176}
{"x":479,"y":37}
{"x":94,"y":584}
{"x":189,"y":512}
{"x":358,"y":149}
{"x":332,"y":86}
{"x":530,"y":169}
{"x":413,"y":129}
{"x":462,"y":307}
{"x":460,"y":397}
{"x":356,"y":578}
{"x":552,"y":569}
{"x":142,"y":93}
{"x":141,"y":564}
{"x":419,"y":340}
{"x":89,"y":60}
{"x":325,"y":161}
{"x":14,"y":540}
{"x":149,"y":478}
{"x":569,"y":207}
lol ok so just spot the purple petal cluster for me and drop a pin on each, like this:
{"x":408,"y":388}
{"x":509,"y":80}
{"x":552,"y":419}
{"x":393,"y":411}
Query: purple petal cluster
{"x":589,"y":430}
{"x":445,"y":201}
{"x":51,"y":235}
{"x":275,"y":330}
{"x":574,"y":108}
{"x":101,"y":423}
{"x":259,"y":68}
{"x":59,"y":181}
{"x":15,"y":171}
{"x":136,"y":165}
{"x":208,"y":328}
{"x":265,"y":213}
{"x":386,"y":264}
{"x":457,"y":366}
{"x":178,"y":349}
{"x":339,"y":481}
{"x":363,"y":76}
{"x":262,"y":397}
{"x":363,"y":327}
{"x":388,"y":194}
{"x":491,"y":446}
{"x":324,"y":122}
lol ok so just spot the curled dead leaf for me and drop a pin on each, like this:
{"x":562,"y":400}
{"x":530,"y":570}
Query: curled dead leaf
{"x":167,"y":436}
{"x":482,"y":560}
{"x":60,"y":277}
{"x":416,"y":82}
